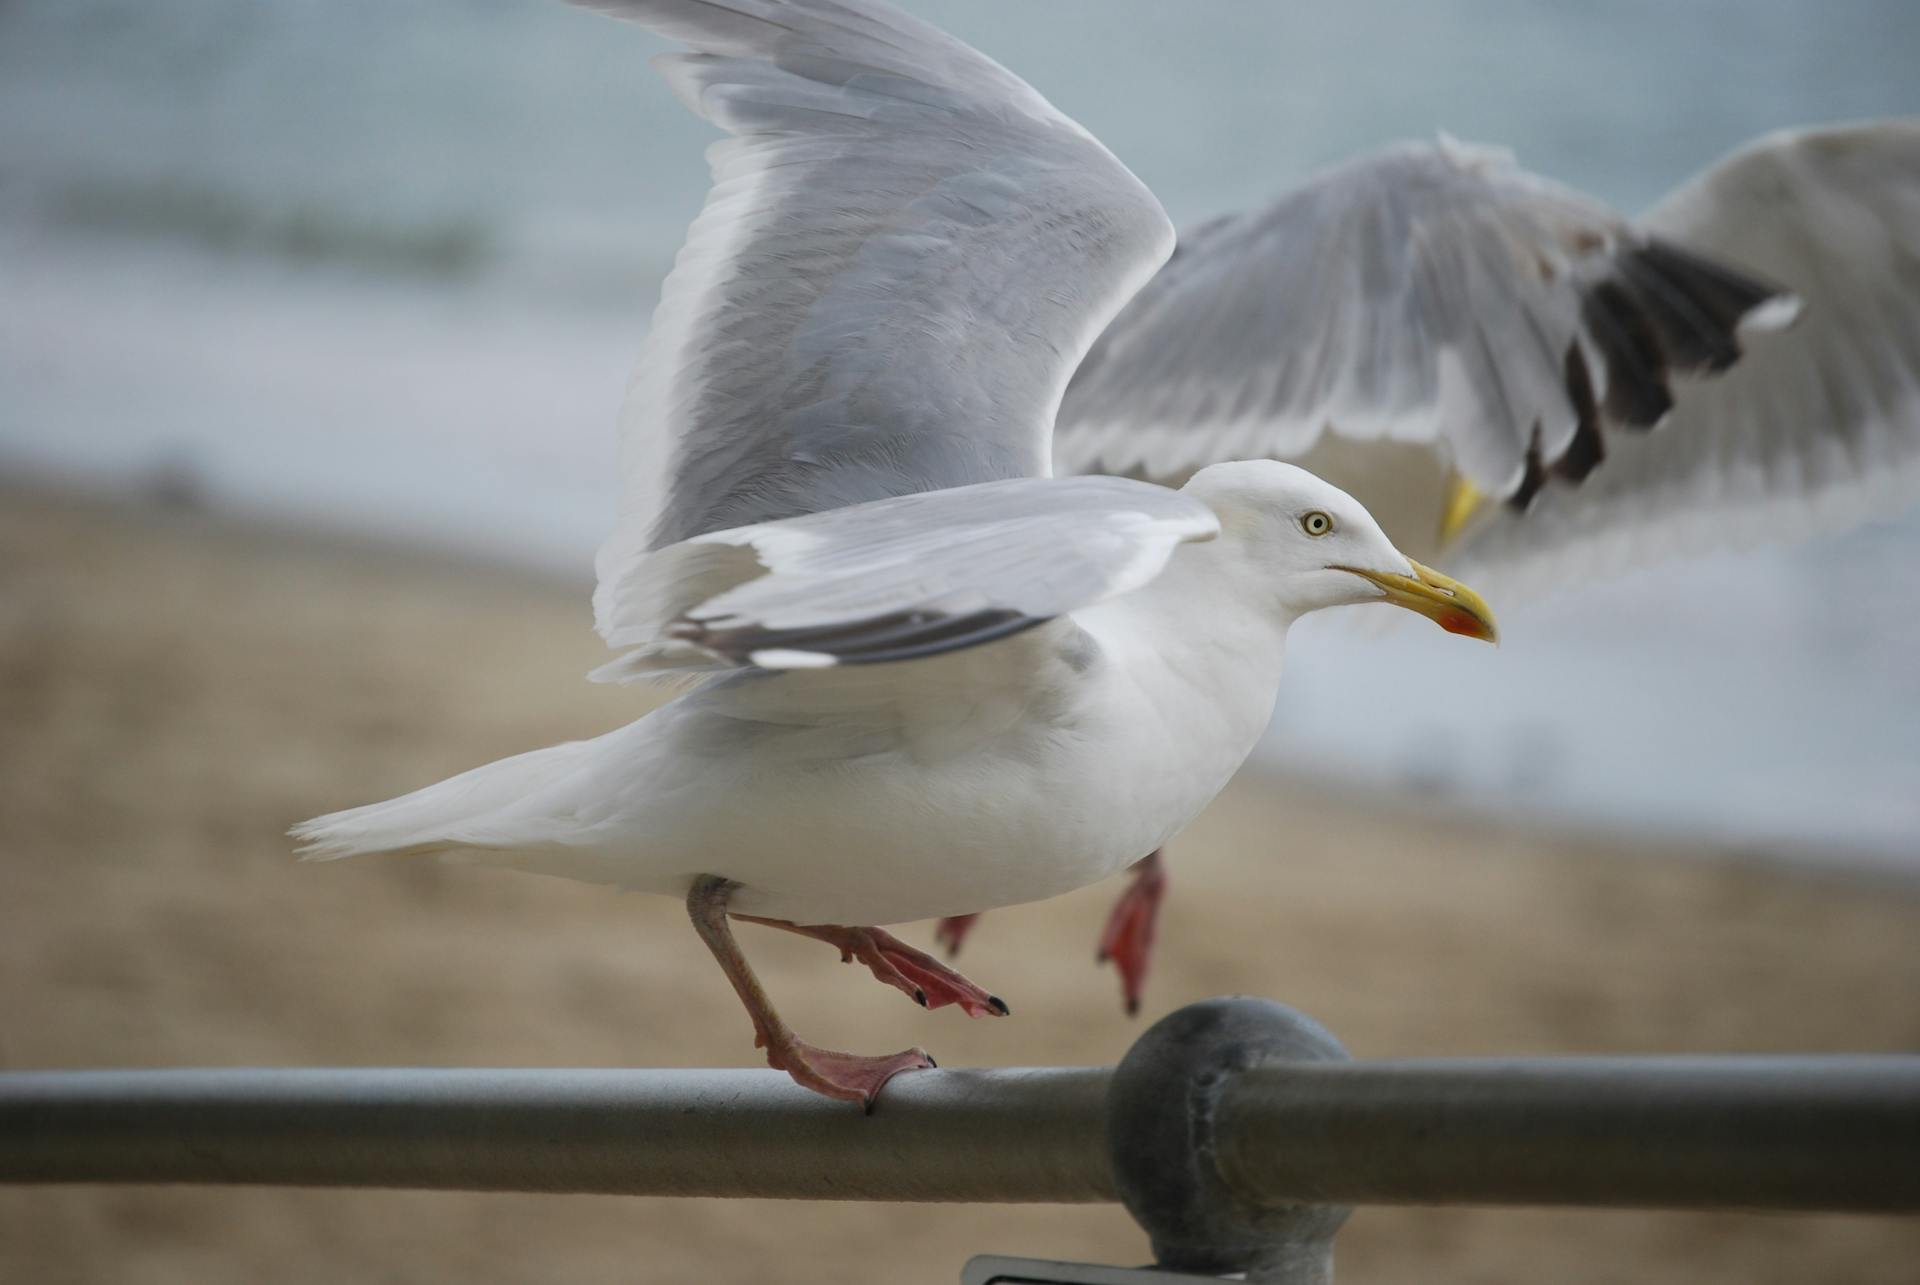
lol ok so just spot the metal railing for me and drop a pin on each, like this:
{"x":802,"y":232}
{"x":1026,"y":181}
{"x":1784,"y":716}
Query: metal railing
{"x":1236,"y":1131}
{"x":935,"y":1135}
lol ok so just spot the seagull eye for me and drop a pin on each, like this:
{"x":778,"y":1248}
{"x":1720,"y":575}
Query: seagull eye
{"x":1316,"y":523}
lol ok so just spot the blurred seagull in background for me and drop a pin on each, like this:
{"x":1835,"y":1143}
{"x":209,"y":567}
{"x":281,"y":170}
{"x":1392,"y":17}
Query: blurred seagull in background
{"x":1478,"y":354}
{"x":921,"y":676}
{"x":1513,"y":377}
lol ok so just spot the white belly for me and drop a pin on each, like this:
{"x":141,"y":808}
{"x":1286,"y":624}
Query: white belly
{"x":895,"y":840}
{"x":1007,"y":797}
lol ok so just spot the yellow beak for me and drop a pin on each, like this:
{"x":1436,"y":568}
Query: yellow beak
{"x":1445,"y":601}
{"x":1464,"y":503}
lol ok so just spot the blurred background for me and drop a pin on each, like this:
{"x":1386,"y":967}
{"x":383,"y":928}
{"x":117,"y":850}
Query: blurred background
{"x":315,"y":318}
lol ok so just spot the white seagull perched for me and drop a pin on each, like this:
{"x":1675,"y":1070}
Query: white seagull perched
{"x":1514,"y":377}
{"x":925,"y":677}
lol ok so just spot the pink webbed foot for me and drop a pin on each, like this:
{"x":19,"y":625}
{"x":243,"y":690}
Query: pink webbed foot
{"x":847,"y":1076}
{"x":928,"y":980}
{"x":918,"y":975}
{"x":953,"y":930}
{"x":1128,"y":939}
{"x":851,"y":1077}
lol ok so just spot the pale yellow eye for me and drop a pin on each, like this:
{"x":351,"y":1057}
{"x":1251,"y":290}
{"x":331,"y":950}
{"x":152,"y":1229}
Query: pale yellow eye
{"x":1316,"y":523}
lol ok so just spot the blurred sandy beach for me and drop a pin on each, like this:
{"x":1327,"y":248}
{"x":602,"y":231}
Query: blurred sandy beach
{"x":176,"y":689}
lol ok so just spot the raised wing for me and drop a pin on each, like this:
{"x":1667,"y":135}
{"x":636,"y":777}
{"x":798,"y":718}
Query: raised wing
{"x":1427,"y":293}
{"x":1819,"y":428}
{"x":895,"y":579}
{"x":905,"y":253}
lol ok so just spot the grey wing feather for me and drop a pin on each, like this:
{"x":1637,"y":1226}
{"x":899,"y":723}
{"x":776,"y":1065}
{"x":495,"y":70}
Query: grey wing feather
{"x":1428,"y":293}
{"x":1819,"y":428}
{"x":898,"y":578}
{"x":905,"y":253}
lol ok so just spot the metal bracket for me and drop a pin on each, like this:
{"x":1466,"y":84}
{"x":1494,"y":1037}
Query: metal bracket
{"x":1160,"y":1133}
{"x":997,"y":1269}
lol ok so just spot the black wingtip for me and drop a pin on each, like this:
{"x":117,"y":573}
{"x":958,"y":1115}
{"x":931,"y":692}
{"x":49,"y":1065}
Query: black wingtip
{"x":1723,"y":297}
{"x":1533,"y":478}
{"x":900,"y":635}
{"x":1660,"y":311}
{"x":1638,"y":394}
{"x":1664,"y":310}
{"x":1587,"y":448}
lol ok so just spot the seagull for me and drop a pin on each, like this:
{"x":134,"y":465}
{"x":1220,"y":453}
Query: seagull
{"x":1517,"y":379}
{"x":1512,"y":375}
{"x":917,"y":675}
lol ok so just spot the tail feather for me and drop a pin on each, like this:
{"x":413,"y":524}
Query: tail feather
{"x":482,"y":808}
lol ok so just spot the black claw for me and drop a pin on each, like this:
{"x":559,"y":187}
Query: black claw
{"x":931,"y":1063}
{"x":1133,"y":1006}
{"x":1100,"y":956}
{"x":920,"y":998}
{"x":998,"y":1005}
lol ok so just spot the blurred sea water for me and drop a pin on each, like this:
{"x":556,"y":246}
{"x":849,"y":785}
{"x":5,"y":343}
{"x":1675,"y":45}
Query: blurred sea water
{"x":383,"y":267}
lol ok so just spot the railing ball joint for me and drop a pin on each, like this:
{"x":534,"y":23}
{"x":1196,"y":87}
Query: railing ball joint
{"x":1161,"y":1111}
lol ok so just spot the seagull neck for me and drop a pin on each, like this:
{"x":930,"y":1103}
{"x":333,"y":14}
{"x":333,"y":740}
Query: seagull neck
{"x":1192,"y":673}
{"x":1228,"y":591}
{"x":1211,"y":617}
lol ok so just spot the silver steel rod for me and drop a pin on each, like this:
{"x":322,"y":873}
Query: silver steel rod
{"x":963,"y":1135}
{"x":1780,"y":1133}
{"x":1836,"y":1133}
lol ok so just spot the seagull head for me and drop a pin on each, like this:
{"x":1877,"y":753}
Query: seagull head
{"x":1313,"y":545}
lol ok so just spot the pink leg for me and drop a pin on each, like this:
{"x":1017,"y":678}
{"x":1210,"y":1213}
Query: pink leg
{"x":953,"y":930}
{"x":847,"y":1076}
{"x":927,"y":981}
{"x":1128,"y":939}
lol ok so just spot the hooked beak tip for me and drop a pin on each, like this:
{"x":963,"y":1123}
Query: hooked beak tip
{"x":1441,"y":599}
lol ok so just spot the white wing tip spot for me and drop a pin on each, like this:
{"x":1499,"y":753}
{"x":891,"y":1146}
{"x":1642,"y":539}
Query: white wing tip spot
{"x":1776,"y":313}
{"x":781,"y":658}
